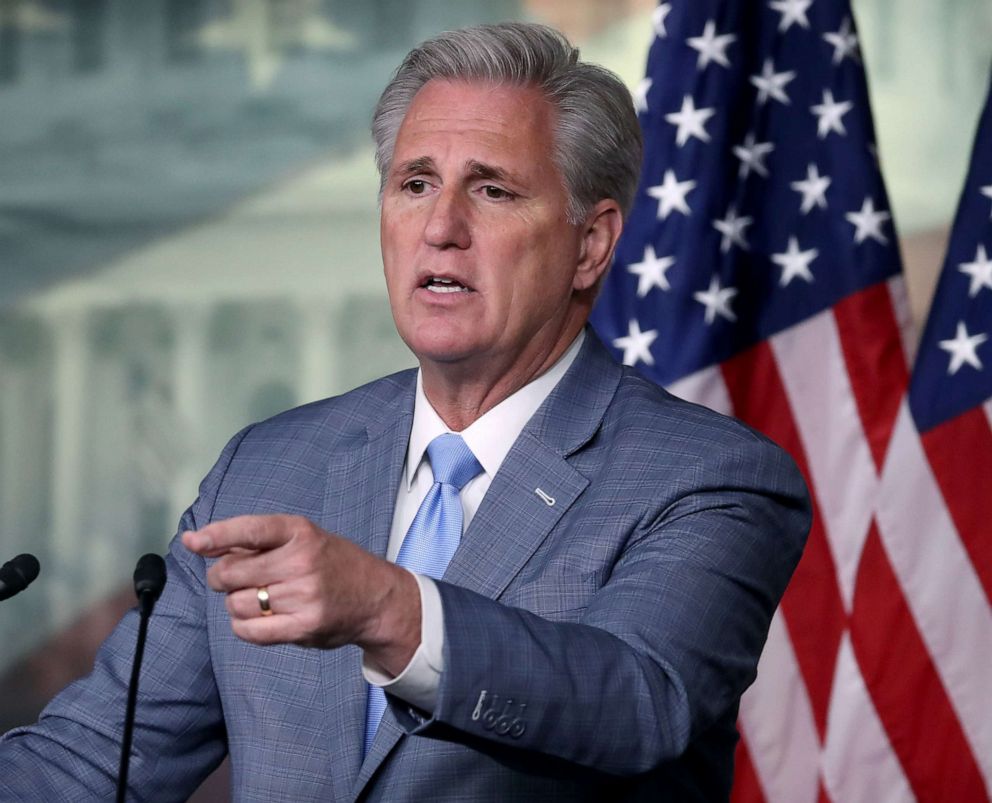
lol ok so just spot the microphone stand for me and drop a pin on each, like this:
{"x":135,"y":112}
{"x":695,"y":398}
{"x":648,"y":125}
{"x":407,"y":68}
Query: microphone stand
{"x":149,"y":579}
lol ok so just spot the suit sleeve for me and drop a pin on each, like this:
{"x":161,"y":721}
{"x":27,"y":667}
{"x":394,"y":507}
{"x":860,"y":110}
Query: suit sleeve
{"x":73,"y":752}
{"x":666,"y":645}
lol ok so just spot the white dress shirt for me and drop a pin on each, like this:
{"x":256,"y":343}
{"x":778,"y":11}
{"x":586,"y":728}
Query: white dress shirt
{"x":490,"y":439}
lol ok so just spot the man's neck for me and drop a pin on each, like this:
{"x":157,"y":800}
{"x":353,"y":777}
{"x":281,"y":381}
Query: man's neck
{"x":461,"y":397}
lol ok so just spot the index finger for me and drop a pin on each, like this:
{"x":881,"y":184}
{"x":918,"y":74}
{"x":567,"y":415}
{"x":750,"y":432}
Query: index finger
{"x":241,"y":532}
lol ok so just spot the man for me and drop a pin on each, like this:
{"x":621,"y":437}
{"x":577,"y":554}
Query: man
{"x":606,"y":558}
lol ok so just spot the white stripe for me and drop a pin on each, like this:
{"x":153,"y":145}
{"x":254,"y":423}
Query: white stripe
{"x":777,"y":721}
{"x":859,"y":765}
{"x":940,"y":585}
{"x":904,"y":317}
{"x":826,"y":415}
{"x":705,"y":387}
{"x":987,"y":407}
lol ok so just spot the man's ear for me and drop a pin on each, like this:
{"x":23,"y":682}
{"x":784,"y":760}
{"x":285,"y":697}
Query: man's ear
{"x":600,"y":233}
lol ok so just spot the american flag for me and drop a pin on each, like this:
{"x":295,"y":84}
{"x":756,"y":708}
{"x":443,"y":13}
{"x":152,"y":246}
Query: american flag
{"x":935,"y":523}
{"x":760,"y":275}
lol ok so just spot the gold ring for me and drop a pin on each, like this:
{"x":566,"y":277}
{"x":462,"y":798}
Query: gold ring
{"x":263,"y":600}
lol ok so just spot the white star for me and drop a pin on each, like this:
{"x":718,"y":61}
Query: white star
{"x":717,"y":300}
{"x":636,"y":344}
{"x":641,"y":95}
{"x":963,"y":349}
{"x":711,"y":46}
{"x":732,"y":229}
{"x":868,"y":222}
{"x":829,"y":114}
{"x":671,"y":195}
{"x":813,"y":189}
{"x":658,"y":19}
{"x":651,"y":272}
{"x":980,"y":272}
{"x":792,"y":11}
{"x":690,"y":121}
{"x":772,"y":84}
{"x":844,"y":42}
{"x":987,"y":192}
{"x":795,"y":263}
{"x":752,"y":155}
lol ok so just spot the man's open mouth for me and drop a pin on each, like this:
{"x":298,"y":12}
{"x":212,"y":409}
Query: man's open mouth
{"x":437,"y":284}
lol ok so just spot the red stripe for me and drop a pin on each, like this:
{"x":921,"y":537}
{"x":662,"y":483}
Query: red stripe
{"x":905,"y":687}
{"x":747,"y":785}
{"x":960,"y":453}
{"x":812,"y":606}
{"x":876,"y":364}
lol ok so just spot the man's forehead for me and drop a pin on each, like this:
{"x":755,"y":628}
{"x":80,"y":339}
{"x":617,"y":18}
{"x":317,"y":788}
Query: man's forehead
{"x":507,"y":123}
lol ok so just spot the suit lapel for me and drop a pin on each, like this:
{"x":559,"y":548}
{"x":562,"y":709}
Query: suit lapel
{"x":358,"y":503}
{"x":529,"y":494}
{"x":536,"y":485}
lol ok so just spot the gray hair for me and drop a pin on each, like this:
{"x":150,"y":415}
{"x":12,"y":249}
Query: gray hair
{"x":597,"y":139}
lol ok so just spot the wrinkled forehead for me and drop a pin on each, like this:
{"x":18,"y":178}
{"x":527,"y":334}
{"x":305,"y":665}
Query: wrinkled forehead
{"x":511,"y":121}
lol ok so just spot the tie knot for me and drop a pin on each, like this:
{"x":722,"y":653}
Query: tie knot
{"x":452,"y":462}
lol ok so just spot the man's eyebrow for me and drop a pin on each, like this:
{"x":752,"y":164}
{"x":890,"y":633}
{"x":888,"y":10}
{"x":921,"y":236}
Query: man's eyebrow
{"x":484,"y":171}
{"x":422,"y":164}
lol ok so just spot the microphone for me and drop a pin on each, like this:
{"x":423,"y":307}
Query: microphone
{"x":149,"y":580}
{"x":17,"y":574}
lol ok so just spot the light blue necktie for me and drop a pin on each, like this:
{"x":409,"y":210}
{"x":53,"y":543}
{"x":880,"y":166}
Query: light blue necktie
{"x":434,"y":535}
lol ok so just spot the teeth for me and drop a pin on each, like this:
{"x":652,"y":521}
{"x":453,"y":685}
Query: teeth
{"x":436,"y":284}
{"x":447,"y":288}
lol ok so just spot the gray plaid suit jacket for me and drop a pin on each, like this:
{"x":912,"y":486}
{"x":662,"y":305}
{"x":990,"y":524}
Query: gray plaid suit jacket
{"x":603,"y":615}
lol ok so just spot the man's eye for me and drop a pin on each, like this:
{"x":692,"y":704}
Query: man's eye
{"x":416,"y":186}
{"x":495,"y":193}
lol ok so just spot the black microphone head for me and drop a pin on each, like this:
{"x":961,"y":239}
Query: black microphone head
{"x":17,"y":574}
{"x":26,"y":566}
{"x":149,"y":576}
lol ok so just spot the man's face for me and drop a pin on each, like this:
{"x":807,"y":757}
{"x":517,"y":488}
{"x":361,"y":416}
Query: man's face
{"x":480,"y":260}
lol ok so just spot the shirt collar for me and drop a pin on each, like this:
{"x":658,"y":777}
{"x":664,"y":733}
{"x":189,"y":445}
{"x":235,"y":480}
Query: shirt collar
{"x":493,"y":434}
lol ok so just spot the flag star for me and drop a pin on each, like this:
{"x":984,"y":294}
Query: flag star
{"x":752,"y":155}
{"x":963,"y":348}
{"x":716,"y":300}
{"x":987,"y":192}
{"x":844,"y":42}
{"x":868,"y":222}
{"x":980,"y":272}
{"x":772,"y":84}
{"x":829,"y":115}
{"x":691,"y":121}
{"x":732,"y":229}
{"x":792,"y":11}
{"x":671,"y":194}
{"x":813,"y":189}
{"x":641,"y":95}
{"x":651,"y":272}
{"x":711,"y":46}
{"x":636,"y":344}
{"x":658,"y":19}
{"x":795,"y":263}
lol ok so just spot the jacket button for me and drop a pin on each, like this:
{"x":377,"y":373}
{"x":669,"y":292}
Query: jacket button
{"x":503,"y":725}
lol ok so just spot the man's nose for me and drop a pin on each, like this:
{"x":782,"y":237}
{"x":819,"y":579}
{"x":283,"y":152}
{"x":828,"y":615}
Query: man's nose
{"x":448,"y":225}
